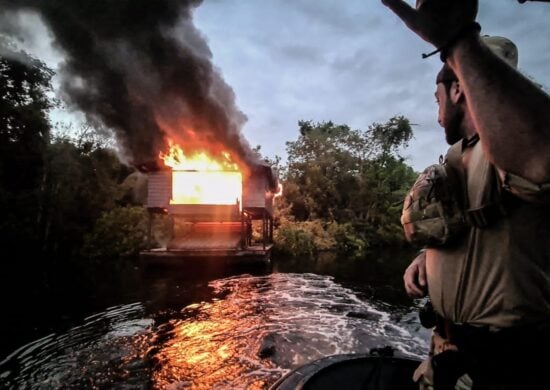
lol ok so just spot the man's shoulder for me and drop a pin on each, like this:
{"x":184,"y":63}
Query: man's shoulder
{"x":478,"y":166}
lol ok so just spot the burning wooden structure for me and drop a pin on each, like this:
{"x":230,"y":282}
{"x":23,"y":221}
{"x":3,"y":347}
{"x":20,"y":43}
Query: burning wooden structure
{"x":215,"y":208}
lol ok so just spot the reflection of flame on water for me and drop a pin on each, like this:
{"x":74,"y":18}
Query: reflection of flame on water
{"x":264,"y":326}
{"x":216,"y":350}
{"x":204,"y":351}
{"x":200,"y":178}
{"x":252,"y":332}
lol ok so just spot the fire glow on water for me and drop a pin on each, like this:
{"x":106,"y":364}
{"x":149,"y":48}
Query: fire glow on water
{"x":200,"y":178}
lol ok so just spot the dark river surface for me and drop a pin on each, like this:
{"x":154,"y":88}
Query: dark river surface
{"x":203,"y":325}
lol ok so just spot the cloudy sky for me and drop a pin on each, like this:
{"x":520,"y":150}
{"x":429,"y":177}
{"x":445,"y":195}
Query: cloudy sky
{"x":352,"y":62}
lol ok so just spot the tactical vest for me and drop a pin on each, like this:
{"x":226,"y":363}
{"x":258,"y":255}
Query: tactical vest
{"x":443,"y":202}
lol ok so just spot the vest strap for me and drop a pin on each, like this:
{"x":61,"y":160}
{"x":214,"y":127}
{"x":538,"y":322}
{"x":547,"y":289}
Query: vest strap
{"x":483,"y":205}
{"x":484,"y":216}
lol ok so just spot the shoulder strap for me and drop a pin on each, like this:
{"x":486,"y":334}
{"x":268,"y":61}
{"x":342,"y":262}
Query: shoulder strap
{"x":480,"y":196}
{"x":455,"y":170}
{"x":485,"y":205}
{"x":479,"y":178}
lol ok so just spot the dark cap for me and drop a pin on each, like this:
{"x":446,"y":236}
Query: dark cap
{"x":446,"y":74}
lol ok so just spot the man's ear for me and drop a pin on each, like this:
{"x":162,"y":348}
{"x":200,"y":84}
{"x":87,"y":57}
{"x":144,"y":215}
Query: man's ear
{"x":456,"y":94}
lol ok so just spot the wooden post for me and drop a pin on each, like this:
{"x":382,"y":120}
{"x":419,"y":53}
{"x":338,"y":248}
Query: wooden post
{"x":270,"y":229}
{"x":248,"y":230}
{"x":264,"y":228}
{"x":172,"y":227}
{"x":149,"y":228}
{"x":243,"y":236}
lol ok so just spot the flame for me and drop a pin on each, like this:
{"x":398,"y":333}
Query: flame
{"x":279,"y":191}
{"x":198,"y":161}
{"x":200,"y":178}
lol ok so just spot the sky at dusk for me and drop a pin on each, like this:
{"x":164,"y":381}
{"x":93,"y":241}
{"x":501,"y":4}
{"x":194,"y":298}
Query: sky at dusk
{"x":351,"y":62}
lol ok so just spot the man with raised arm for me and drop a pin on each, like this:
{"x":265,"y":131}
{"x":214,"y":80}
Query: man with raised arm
{"x":483,"y":215}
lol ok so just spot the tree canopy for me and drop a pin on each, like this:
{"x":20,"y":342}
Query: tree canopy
{"x":24,"y":137}
{"x":53,"y":187}
{"x":338,"y":174}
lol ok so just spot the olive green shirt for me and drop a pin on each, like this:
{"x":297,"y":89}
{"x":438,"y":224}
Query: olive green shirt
{"x":498,"y":275}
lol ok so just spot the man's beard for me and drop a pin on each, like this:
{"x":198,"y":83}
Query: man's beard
{"x":453,"y":130}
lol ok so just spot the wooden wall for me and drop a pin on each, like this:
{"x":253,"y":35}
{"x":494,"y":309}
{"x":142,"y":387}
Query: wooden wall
{"x":159,"y":189}
{"x":256,"y":193}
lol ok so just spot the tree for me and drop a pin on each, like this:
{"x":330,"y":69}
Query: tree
{"x":84,"y":179}
{"x":351,"y":178}
{"x":384,"y":183}
{"x":390,"y":137}
{"x":24,"y":135}
{"x":52,"y":188}
{"x":119,"y":232}
{"x":323,"y":160}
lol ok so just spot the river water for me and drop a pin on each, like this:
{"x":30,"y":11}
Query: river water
{"x":205,"y":324}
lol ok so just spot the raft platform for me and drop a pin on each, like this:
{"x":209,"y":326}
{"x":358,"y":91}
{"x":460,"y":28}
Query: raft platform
{"x":251,"y":254}
{"x":222,"y":242}
{"x":230,"y":240}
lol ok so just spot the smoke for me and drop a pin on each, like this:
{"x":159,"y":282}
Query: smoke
{"x":141,"y":68}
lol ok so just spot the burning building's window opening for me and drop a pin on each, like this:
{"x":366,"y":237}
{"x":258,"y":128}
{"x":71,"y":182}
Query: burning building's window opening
{"x":215,"y":187}
{"x":199,"y":178}
{"x":216,"y":205}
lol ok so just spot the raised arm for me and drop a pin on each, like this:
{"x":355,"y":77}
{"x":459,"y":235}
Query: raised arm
{"x":511,"y":114}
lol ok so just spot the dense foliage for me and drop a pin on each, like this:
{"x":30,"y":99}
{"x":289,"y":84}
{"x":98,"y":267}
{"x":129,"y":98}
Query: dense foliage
{"x":121,"y":231}
{"x":83,"y":181}
{"x":24,"y":137}
{"x":350,"y":182}
{"x":53,"y":187}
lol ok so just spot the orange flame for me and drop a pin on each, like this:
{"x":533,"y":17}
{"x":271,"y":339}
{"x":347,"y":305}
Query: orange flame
{"x":279,"y":191}
{"x":198,"y":161}
{"x":200,"y":178}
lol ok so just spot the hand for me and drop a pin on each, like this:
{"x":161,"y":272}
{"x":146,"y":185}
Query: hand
{"x":435,"y":21}
{"x":415,"y":277}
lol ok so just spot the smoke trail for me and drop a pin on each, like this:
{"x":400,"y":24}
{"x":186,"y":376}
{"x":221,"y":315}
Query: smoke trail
{"x":141,"y":68}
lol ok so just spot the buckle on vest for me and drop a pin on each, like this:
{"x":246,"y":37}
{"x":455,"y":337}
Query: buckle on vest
{"x":483,"y":216}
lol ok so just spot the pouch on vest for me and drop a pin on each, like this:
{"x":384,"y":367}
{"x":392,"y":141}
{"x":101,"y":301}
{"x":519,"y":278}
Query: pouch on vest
{"x":432,"y":214}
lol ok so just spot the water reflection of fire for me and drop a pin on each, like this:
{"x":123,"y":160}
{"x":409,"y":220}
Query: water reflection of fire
{"x":200,"y":178}
{"x":218,"y":350}
{"x":256,"y":329}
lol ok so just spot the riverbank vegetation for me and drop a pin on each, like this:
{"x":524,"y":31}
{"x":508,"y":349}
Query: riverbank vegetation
{"x":343,"y":188}
{"x":65,"y":193}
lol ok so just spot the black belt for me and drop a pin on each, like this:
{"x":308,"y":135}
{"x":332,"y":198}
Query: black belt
{"x":487,"y":353}
{"x":464,"y":335}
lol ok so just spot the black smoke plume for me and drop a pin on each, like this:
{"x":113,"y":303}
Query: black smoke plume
{"x":141,"y":68}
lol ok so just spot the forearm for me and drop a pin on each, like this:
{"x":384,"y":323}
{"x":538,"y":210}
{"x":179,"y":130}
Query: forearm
{"x":511,"y":114}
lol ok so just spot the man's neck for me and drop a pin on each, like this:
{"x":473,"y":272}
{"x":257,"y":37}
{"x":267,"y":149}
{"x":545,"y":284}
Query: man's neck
{"x":467,"y":126}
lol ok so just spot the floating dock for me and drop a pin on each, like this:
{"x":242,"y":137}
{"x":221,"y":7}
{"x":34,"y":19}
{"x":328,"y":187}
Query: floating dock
{"x":212,"y":240}
{"x":250,"y":254}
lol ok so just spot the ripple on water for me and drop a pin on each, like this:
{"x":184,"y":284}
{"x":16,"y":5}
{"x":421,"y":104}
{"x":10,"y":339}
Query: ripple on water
{"x":106,"y":350}
{"x":249,"y":334}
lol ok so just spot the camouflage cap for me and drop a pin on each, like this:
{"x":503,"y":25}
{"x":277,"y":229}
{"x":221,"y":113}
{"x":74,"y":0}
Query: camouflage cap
{"x":503,"y":47}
